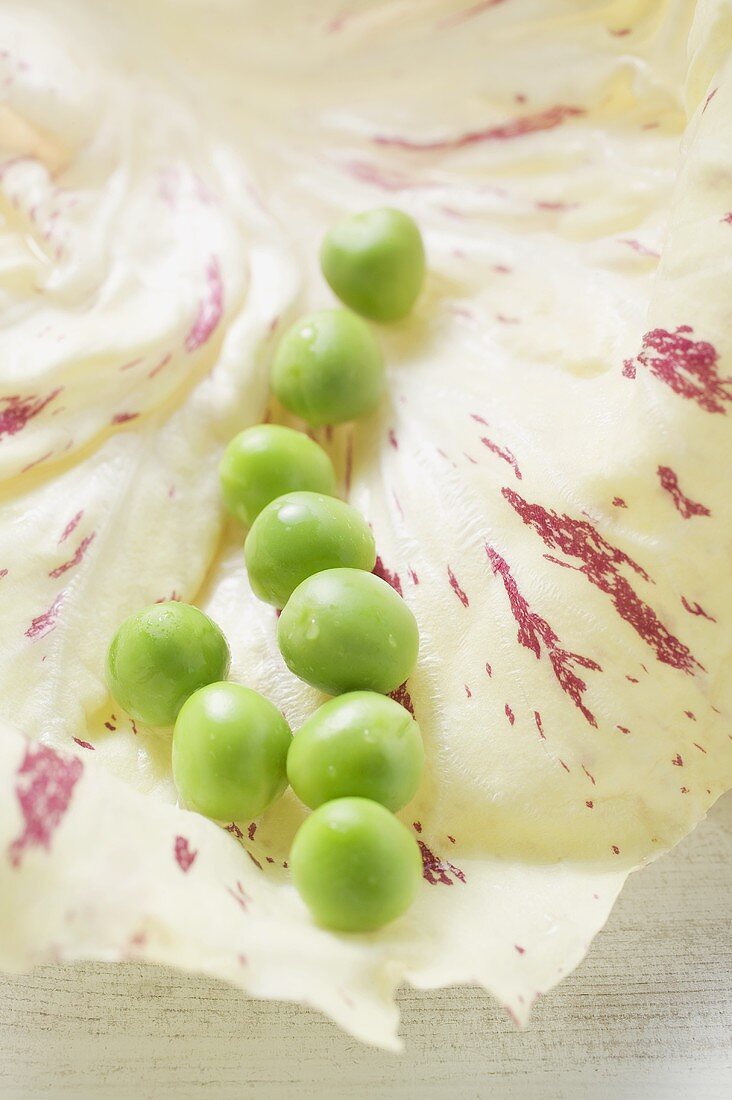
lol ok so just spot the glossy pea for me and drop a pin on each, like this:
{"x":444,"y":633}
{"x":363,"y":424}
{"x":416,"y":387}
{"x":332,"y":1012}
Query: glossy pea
{"x":375,"y":263}
{"x":300,"y":534}
{"x":347,"y":630}
{"x":160,"y":656}
{"x":328,"y":368}
{"x":360,"y":744}
{"x":266,"y":461}
{"x":355,"y":865}
{"x":229,"y":752}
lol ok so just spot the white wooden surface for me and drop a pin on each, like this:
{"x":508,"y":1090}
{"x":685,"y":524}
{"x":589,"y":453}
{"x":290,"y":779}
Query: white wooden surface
{"x":649,"y":1014}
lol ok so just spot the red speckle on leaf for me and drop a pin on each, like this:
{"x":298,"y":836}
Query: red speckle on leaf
{"x":367,"y":172}
{"x":678,"y":761}
{"x":632,"y":679}
{"x":234,"y":829}
{"x":601,"y":564}
{"x":684,"y":790}
{"x":254,"y":860}
{"x":71,"y":526}
{"x":589,"y":775}
{"x":161,"y":365}
{"x":16,"y":411}
{"x":688,"y":367}
{"x":413,"y":576}
{"x":380,"y":570}
{"x":251,"y":830}
{"x":210,"y":308}
{"x":727,"y":219}
{"x":697,"y":609}
{"x":615,"y":850}
{"x":83,"y":744}
{"x":45,"y":622}
{"x":641,"y":249}
{"x":539,"y":726}
{"x":618,"y":502}
{"x":504,"y":453}
{"x":535,"y":632}
{"x":589,"y":804}
{"x":509,"y":714}
{"x":110,"y":727}
{"x":417,"y":826}
{"x":621,"y":33}
{"x":468,"y":13}
{"x":393,"y":439}
{"x":489,"y":669}
{"x":451,"y":838}
{"x":555,"y":205}
{"x":3,"y":573}
{"x":456,"y":588}
{"x":401,"y":695}
{"x":628,"y":369}
{"x":479,"y":419}
{"x":437,"y":871}
{"x":521,"y":950}
{"x":623,"y":729}
{"x":185,"y":855}
{"x":709,"y":99}
{"x":76,"y":559}
{"x":240,"y":896}
{"x":37,"y":461}
{"x":699,"y":747}
{"x":468,"y":692}
{"x":123,"y":417}
{"x":565,"y":766}
{"x":684,"y":506}
{"x":690,"y":714}
{"x":132,"y":363}
{"x":501,"y":269}
{"x":548,"y":119}
{"x":44,"y":787}
{"x":338,"y":22}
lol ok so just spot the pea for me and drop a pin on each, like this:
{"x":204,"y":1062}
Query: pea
{"x":347,"y":630}
{"x":375,"y":263}
{"x":355,"y":866}
{"x":360,"y":744}
{"x":266,"y":461}
{"x":160,"y":656}
{"x":229,"y":752}
{"x":328,"y":368}
{"x":300,"y":534}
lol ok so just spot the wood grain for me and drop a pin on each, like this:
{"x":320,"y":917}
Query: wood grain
{"x":649,"y":1014}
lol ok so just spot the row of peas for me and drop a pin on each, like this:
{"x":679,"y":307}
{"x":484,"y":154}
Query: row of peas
{"x":360,"y":756}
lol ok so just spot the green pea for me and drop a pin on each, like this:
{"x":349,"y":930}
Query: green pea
{"x":160,"y":656}
{"x":355,"y":866}
{"x":328,"y":368}
{"x":300,"y":534}
{"x":266,"y":461}
{"x":347,"y":630}
{"x":229,"y":752}
{"x":375,"y":263}
{"x":359,"y":744}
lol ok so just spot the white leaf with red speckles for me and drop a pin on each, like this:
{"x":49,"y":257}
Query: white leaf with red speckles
{"x":545,"y":480}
